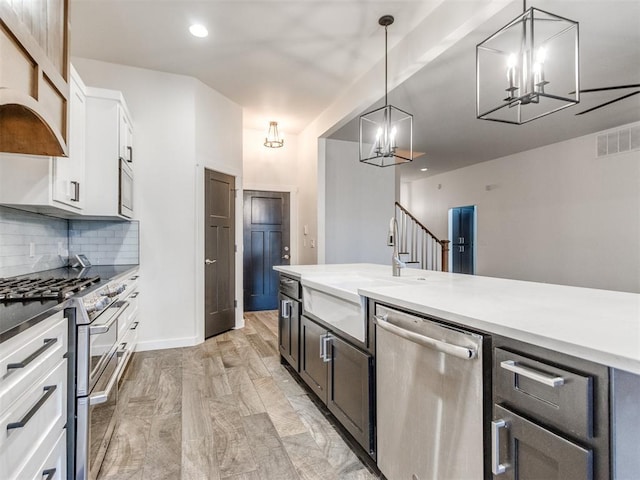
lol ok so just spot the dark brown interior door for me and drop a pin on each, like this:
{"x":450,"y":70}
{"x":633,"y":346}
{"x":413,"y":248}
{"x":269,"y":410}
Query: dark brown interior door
{"x":219,"y":250}
{"x":266,"y":243}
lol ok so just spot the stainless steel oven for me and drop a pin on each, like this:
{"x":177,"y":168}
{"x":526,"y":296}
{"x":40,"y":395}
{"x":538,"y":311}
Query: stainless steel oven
{"x":100,"y":362}
{"x":125,"y":207}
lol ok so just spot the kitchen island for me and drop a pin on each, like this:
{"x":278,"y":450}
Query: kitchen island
{"x":601,"y":326}
{"x":594,"y":334}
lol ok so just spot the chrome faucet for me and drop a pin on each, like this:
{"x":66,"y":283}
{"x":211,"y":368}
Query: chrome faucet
{"x":392,"y":240}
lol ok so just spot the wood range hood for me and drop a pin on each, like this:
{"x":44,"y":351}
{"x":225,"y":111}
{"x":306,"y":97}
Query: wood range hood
{"x":34,"y":77}
{"x":24,"y":130}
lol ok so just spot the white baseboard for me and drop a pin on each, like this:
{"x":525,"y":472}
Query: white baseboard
{"x":168,"y":343}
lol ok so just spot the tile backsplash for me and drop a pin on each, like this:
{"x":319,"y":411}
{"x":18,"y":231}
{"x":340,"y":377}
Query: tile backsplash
{"x":30,"y":242}
{"x":105,"y":242}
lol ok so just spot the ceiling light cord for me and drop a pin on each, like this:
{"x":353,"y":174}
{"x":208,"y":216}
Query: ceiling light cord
{"x":386,"y":101}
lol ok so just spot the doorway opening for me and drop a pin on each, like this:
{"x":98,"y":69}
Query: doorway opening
{"x":462,"y":232}
{"x":266,"y":243}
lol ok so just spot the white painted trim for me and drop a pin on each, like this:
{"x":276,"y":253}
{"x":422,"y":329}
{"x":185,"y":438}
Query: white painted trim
{"x":168,"y":343}
{"x":321,"y":205}
{"x":293,"y":212}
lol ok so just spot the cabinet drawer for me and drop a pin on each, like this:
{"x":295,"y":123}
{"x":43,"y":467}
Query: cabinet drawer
{"x":290,"y":287}
{"x":554,"y":396}
{"x":526,"y":451}
{"x":49,"y":462}
{"x":30,"y":355}
{"x":40,"y":412}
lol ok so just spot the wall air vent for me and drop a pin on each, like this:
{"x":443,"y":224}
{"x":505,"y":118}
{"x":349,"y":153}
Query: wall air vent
{"x":618,"y":141}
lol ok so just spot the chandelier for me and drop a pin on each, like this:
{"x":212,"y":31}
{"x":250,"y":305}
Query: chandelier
{"x":273,"y":139}
{"x":528,"y":69}
{"x":386,"y":133}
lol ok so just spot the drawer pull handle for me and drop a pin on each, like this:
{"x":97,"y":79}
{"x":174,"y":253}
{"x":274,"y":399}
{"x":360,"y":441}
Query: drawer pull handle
{"x":531,"y":374}
{"x":496,"y":467}
{"x":48,"y":474}
{"x":48,"y":391}
{"x":135,"y":294}
{"x":134,"y":325}
{"x":48,"y":343}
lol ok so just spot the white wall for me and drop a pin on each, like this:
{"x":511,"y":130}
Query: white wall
{"x":219,"y":148}
{"x":179,"y":127}
{"x":432,"y":36}
{"x":555,"y":214}
{"x":359,"y":201}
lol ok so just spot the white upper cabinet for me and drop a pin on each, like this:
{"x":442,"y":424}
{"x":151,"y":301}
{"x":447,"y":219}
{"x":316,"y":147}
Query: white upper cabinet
{"x":50,"y":185}
{"x":125,"y":135}
{"x":109,"y":160}
{"x":68,"y":172}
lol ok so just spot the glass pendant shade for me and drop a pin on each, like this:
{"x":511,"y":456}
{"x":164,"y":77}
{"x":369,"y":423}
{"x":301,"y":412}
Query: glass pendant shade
{"x":528,"y":69}
{"x":273,"y":139}
{"x":386,"y":137}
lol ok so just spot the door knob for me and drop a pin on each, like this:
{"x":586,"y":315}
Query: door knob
{"x":286,"y":257}
{"x":209,"y":262}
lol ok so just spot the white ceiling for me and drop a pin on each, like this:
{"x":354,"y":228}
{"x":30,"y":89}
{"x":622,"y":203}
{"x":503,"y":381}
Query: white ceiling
{"x":279,"y":60}
{"x":442,"y":98}
{"x":289,"y":60}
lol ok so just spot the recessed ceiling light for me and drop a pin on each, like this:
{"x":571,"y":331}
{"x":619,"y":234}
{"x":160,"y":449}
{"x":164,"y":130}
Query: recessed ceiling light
{"x":198,"y":30}
{"x":424,"y":169}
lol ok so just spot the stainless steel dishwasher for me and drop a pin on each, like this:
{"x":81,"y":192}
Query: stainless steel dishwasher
{"x":429,"y":395}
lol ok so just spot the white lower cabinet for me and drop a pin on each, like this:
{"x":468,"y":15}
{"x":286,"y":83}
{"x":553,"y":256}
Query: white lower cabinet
{"x":33,"y":413}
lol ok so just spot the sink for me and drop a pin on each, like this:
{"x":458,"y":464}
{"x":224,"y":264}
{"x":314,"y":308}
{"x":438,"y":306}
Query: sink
{"x":335,"y":300}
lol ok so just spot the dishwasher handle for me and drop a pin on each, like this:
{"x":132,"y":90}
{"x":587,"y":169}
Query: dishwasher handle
{"x":455,"y":350}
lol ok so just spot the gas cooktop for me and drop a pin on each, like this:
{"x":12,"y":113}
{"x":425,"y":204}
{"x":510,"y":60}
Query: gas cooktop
{"x":27,"y":298}
{"x":30,"y":289}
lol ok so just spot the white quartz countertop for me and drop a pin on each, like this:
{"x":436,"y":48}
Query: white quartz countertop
{"x":598,"y":325}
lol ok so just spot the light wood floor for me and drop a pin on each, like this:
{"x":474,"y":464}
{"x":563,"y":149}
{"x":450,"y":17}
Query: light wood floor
{"x":225,"y":409}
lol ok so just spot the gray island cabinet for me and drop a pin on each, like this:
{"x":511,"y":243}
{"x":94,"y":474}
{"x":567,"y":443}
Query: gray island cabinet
{"x":337,"y":367}
{"x":561,"y":397}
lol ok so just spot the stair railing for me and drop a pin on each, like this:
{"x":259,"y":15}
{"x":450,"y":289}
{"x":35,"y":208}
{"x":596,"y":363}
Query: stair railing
{"x":422,"y":246}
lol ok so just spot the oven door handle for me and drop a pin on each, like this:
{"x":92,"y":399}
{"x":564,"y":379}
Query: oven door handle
{"x":103,"y":396}
{"x":94,"y":330}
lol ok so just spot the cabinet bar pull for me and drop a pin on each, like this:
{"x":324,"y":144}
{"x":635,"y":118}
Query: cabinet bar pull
{"x":48,"y":474}
{"x":130,"y":150}
{"x":285,"y":308}
{"x":76,"y":191}
{"x":48,"y":391}
{"x":48,"y":343}
{"x":531,"y":374}
{"x":134,"y":325}
{"x":325,"y":339}
{"x":135,"y":294}
{"x":496,"y":467}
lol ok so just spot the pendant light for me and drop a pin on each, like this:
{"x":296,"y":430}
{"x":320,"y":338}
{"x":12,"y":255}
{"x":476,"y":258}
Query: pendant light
{"x":386,"y":134}
{"x":528,"y":69}
{"x":273,"y":139}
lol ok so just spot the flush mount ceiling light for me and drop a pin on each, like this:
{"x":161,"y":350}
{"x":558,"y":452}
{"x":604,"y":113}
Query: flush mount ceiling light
{"x":273,"y":139}
{"x":528,"y":69}
{"x":386,"y":134}
{"x":198,"y":30}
